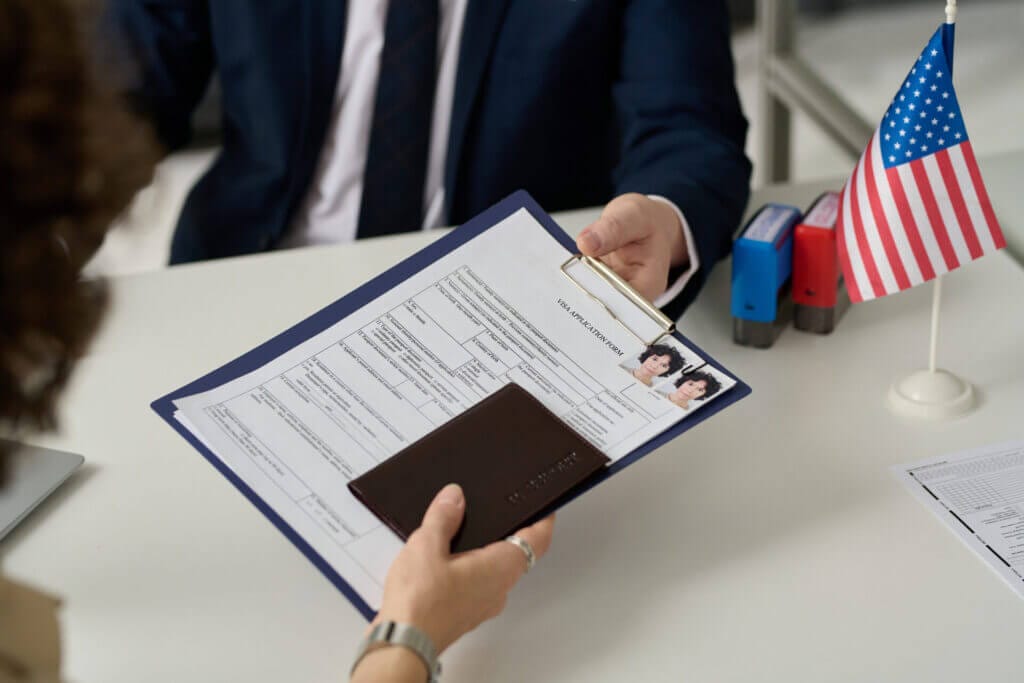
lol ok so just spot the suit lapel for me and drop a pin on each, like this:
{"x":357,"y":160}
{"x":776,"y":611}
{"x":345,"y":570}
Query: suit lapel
{"x":480,"y":27}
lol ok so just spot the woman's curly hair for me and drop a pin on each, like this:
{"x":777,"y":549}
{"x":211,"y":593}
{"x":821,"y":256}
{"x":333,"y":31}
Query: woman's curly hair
{"x":71,"y":159}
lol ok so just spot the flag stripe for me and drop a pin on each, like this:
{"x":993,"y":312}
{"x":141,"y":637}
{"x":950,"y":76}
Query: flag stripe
{"x":963,"y":217}
{"x":936,"y":257}
{"x":934,"y":218}
{"x":892,"y":255}
{"x":979,"y":187}
{"x":854,"y":273}
{"x":851,"y":274}
{"x":874,"y":281}
{"x":971,"y":203}
{"x":948,"y":218}
{"x":899,"y":198}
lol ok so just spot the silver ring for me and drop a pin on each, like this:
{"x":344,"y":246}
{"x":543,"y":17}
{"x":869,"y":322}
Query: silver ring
{"x":531,"y":557}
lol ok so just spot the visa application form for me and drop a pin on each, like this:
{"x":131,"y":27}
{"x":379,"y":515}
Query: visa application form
{"x":979,"y":494}
{"x":497,"y":309}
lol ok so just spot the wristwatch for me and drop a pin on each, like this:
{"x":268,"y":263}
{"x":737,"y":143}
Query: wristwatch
{"x":405,"y":635}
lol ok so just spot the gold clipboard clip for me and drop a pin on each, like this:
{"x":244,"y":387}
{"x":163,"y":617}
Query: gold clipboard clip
{"x":624,"y":288}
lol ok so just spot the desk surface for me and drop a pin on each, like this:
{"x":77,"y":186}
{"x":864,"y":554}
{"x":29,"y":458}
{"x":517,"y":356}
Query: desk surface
{"x":770,"y":543}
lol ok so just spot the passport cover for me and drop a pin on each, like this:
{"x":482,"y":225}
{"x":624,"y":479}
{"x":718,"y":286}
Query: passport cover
{"x":512,"y":456}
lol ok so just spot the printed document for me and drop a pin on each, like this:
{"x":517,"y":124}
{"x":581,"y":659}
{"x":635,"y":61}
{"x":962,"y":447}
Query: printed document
{"x":979,"y":494}
{"x":497,"y":309}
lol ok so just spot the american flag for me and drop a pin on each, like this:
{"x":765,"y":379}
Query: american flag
{"x":915,"y":206}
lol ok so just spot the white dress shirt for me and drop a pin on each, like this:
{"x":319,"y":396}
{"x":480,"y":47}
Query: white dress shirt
{"x":329,"y":213}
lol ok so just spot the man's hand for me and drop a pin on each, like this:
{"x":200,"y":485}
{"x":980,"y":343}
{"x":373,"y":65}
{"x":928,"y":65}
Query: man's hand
{"x":640,"y":238}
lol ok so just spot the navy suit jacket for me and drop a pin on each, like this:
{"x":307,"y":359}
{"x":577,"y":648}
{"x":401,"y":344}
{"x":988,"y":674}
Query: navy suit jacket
{"x":576,"y":101}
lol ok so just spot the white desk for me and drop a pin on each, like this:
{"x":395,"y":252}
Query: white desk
{"x":769,"y":544}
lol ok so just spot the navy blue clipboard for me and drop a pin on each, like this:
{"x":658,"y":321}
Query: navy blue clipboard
{"x":332,"y":313}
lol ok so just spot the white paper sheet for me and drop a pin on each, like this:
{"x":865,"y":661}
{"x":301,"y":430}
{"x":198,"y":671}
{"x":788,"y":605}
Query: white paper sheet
{"x":496,"y":310}
{"x":979,"y":494}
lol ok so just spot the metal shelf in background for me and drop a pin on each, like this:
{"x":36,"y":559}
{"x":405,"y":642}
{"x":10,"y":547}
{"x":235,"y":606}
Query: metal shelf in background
{"x":786,"y":84}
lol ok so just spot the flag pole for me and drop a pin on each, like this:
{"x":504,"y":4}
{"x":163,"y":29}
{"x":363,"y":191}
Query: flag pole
{"x":933,"y":393}
{"x":936,"y":299}
{"x":937,"y":291}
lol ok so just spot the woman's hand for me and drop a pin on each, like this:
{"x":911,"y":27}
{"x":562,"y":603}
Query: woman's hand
{"x":447,"y":595}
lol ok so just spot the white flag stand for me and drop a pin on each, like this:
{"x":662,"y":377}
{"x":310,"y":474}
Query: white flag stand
{"x":932,"y":394}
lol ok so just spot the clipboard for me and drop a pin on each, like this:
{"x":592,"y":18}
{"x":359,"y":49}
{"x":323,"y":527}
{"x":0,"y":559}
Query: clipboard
{"x":348,"y":304}
{"x":623,"y":287}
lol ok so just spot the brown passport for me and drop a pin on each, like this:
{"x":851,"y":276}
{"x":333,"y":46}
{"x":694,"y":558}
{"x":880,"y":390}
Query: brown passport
{"x":512,"y":456}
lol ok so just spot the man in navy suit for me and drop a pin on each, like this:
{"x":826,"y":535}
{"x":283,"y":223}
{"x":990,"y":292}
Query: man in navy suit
{"x":358,"y":118}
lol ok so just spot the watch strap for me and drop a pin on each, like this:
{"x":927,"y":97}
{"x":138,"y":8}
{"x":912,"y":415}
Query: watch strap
{"x":403,"y":635}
